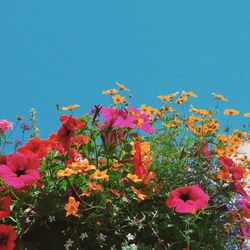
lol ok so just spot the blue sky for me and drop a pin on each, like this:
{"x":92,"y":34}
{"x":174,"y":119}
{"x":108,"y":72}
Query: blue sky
{"x":67,"y":52}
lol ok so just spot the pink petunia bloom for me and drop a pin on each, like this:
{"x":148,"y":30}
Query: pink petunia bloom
{"x":117,"y":118}
{"x":187,"y":199}
{"x":142,"y":121}
{"x":20,"y":170}
{"x":5,"y":126}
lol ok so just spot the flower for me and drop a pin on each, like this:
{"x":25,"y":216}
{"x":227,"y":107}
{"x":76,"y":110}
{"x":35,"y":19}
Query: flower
{"x":100,"y":175}
{"x":168,"y":98}
{"x":70,"y":107}
{"x":130,"y":236}
{"x":110,"y":92}
{"x":5,"y":126}
{"x":142,"y":122}
{"x":138,"y":193}
{"x":83,"y":236}
{"x":25,"y":127}
{"x":20,"y":170}
{"x":140,"y":170}
{"x":101,"y":237}
{"x":5,"y":206}
{"x":35,"y":146}
{"x":66,"y":132}
{"x":187,"y":199}
{"x":51,"y":218}
{"x":117,"y":118}
{"x":72,"y":207}
{"x":118,"y":99}
{"x":219,"y":97}
{"x":7,"y":237}
{"x":122,"y":87}
{"x":247,"y":115}
{"x":188,"y":94}
{"x":231,"y":112}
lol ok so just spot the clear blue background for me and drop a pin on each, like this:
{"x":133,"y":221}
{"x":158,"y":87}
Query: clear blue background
{"x":67,"y":52}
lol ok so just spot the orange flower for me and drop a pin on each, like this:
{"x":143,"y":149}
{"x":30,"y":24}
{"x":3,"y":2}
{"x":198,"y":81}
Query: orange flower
{"x":181,"y":99}
{"x":167,"y":98}
{"x":115,"y":192}
{"x":202,"y":112}
{"x":134,"y":178}
{"x":100,"y":175}
{"x":94,"y":186}
{"x":122,"y":87}
{"x":138,"y":193}
{"x":190,"y":93}
{"x":231,"y":112}
{"x":118,"y":99}
{"x":247,"y":115}
{"x":110,"y":92}
{"x":86,"y":192}
{"x":219,"y":97}
{"x":70,"y":107}
{"x":116,"y":164}
{"x":72,"y":207}
{"x":225,"y":175}
{"x":82,"y":166}
{"x":65,"y":172}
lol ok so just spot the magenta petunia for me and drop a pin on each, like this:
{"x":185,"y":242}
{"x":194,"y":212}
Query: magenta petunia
{"x":118,"y":118}
{"x":142,"y":121}
{"x":187,"y":199}
{"x":20,"y":170}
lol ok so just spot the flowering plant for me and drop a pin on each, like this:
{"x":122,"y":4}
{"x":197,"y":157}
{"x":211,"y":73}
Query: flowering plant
{"x":127,"y":178}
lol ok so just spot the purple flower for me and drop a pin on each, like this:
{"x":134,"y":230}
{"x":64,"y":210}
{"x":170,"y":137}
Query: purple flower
{"x":25,"y":127}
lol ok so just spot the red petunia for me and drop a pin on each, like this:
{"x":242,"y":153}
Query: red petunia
{"x":66,"y":132}
{"x":140,"y":170}
{"x":187,"y":199}
{"x":5,"y":206}
{"x":20,"y":170}
{"x":7,"y":237}
{"x":35,"y":146}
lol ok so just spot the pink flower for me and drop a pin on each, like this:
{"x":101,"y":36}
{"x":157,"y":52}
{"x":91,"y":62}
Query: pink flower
{"x":187,"y":199}
{"x":142,"y":121}
{"x":20,"y":170}
{"x":117,"y":118}
{"x":5,"y":126}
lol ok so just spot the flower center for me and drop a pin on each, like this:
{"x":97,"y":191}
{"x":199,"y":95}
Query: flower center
{"x":3,"y":240}
{"x":20,"y":172}
{"x":185,"y":197}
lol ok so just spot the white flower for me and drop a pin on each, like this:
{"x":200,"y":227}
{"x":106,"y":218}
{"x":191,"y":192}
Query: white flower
{"x":83,"y":236}
{"x":101,"y":237}
{"x":125,"y":199}
{"x":52,"y":218}
{"x":116,"y":208}
{"x":113,"y":247}
{"x":68,"y":244}
{"x":133,"y":247}
{"x":28,"y":220}
{"x":130,"y":236}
